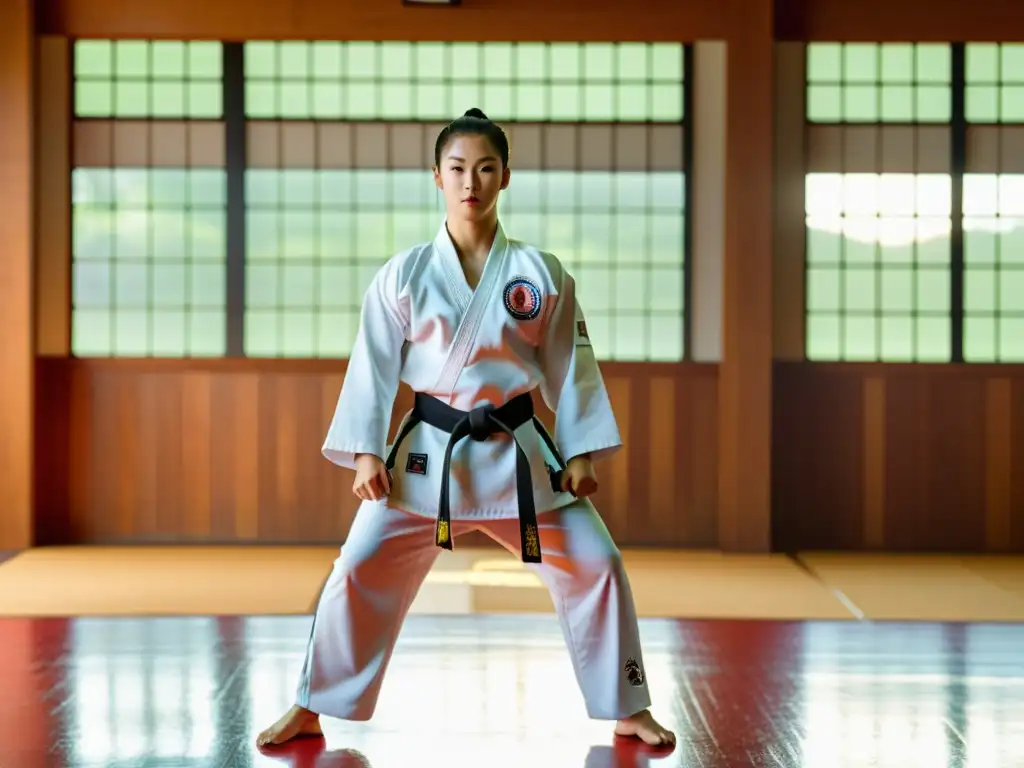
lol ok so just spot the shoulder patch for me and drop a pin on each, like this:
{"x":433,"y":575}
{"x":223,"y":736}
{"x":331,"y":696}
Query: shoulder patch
{"x":522,"y":298}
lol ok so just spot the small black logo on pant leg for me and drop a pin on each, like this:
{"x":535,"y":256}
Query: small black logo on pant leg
{"x":634,"y":674}
{"x":416,"y":464}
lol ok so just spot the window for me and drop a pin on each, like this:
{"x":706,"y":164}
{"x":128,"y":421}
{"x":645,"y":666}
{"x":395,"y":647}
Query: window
{"x":511,"y":82}
{"x":993,"y":204}
{"x":878,"y":202}
{"x":148,"y":272}
{"x":341,"y":142}
{"x":339,"y":139}
{"x":994,"y":268}
{"x":995,"y":83}
{"x":148,"y":200}
{"x":878,"y":266}
{"x":872,"y":82}
{"x":889,"y":276}
{"x":142,"y":79}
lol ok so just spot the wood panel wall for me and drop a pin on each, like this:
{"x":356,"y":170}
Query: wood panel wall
{"x":224,"y":452}
{"x":898,"y":458}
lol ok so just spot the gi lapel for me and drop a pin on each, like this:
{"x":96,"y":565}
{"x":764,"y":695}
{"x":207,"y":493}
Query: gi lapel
{"x":472,"y":303}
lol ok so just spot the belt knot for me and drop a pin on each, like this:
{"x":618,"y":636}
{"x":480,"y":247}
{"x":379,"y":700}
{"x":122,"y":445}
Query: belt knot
{"x":480,"y":427}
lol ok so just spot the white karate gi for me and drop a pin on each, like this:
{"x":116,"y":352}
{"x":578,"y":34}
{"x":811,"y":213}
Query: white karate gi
{"x":522,"y":328}
{"x":422,"y":324}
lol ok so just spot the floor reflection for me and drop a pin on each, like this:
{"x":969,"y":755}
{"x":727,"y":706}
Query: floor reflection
{"x":315,"y":756}
{"x":499,"y":690}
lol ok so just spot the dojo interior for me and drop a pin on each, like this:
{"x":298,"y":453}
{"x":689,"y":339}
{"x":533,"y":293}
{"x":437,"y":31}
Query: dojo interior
{"x":797,"y":230}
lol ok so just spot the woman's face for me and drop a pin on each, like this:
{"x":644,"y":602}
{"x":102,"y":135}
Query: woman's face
{"x":471,"y":176}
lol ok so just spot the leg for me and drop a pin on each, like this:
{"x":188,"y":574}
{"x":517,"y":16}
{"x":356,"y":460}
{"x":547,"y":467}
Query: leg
{"x":382,"y":564}
{"x":583,"y":570}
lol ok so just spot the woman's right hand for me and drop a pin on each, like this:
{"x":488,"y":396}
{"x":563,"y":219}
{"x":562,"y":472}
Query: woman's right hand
{"x":372,"y":481}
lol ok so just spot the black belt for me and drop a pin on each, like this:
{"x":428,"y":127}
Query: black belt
{"x":480,"y":424}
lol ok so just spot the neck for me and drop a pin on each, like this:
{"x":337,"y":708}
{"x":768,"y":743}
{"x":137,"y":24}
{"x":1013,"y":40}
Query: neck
{"x":473,"y":239}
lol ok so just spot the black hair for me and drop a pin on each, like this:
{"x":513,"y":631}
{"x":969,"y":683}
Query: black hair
{"x":473,"y":123}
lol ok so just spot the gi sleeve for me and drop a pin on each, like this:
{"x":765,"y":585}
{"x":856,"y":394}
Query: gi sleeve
{"x":573,"y":386}
{"x":363,"y":413}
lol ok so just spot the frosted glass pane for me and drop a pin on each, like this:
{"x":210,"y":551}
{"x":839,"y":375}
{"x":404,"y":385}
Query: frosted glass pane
{"x":432,"y":81}
{"x":169,"y":59}
{"x":982,"y":63}
{"x":824,"y":63}
{"x":860,"y":63}
{"x":933,"y":63}
{"x":878,"y":255}
{"x":94,"y":58}
{"x":151,"y":259}
{"x":871,"y":82}
{"x":140,"y":79}
{"x":897,"y":63}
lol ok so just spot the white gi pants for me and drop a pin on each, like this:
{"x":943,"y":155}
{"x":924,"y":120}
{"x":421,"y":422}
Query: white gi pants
{"x":389,"y":553}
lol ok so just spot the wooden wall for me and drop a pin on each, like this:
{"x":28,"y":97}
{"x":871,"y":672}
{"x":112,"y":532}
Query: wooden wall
{"x":898,"y":457}
{"x":739,"y":456}
{"x":224,"y":451}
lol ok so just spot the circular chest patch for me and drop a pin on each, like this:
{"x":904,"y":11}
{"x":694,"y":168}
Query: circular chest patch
{"x":522,"y":299}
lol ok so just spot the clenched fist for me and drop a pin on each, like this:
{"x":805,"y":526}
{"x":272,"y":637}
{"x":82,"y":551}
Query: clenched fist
{"x":579,"y":478}
{"x":372,"y":481}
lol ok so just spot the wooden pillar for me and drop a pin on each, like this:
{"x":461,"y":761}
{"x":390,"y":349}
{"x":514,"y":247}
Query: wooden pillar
{"x":16,"y":243}
{"x":745,"y":372}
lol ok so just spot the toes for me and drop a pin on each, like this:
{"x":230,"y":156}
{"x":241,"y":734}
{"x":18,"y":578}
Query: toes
{"x":264,"y":739}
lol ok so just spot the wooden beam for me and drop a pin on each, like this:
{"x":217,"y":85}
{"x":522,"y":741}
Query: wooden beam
{"x":745,"y":372}
{"x":479,"y":20}
{"x":16,"y":235}
{"x":924,"y":21}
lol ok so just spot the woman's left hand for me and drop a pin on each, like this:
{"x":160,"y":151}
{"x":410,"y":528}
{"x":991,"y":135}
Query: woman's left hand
{"x":579,"y":478}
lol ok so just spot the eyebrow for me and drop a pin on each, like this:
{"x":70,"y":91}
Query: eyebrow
{"x":462,"y":159}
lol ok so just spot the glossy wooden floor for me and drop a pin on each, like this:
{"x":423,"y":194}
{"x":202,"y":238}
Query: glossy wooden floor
{"x":243,"y":581}
{"x":494,"y":690}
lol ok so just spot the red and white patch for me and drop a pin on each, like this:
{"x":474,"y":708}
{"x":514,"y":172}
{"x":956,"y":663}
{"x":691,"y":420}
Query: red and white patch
{"x":522,"y":299}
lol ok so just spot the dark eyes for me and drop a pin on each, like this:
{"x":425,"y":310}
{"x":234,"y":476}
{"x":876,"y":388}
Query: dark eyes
{"x":485,"y":169}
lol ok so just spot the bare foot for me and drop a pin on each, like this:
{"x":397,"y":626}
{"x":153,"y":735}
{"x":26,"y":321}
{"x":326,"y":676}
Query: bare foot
{"x":296,"y":722}
{"x":646,"y":728}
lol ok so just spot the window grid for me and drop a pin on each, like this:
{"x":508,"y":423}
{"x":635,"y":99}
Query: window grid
{"x":147,"y":79}
{"x":994,"y":268}
{"x":328,"y":201}
{"x":560,"y":82}
{"x":148,"y":262}
{"x":995,"y":82}
{"x":878,"y":83}
{"x":148,"y":200}
{"x":879,"y":240}
{"x":993,"y":211}
{"x":878,"y":267}
{"x":316,"y":237}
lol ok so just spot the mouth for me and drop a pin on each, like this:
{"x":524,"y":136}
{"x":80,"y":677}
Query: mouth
{"x":471,"y":200}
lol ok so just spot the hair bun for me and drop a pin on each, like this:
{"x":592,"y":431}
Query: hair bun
{"x":477,"y":113}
